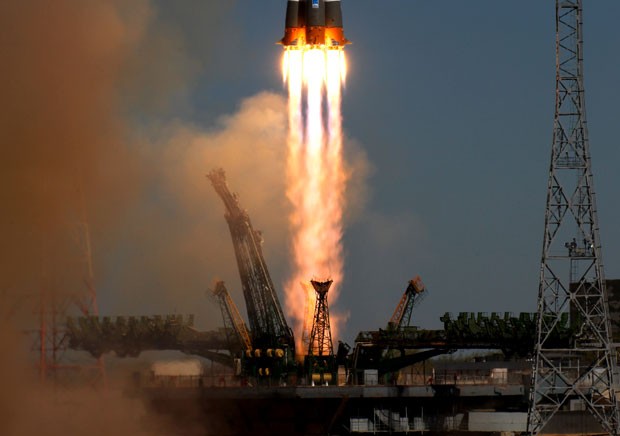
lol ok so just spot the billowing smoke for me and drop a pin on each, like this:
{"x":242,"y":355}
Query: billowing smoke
{"x":187,"y":368}
{"x":88,"y":91}
{"x":177,"y":240}
{"x":63,"y":139}
{"x":66,"y":158}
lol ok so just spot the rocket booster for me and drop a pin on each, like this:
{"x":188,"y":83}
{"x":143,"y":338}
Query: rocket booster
{"x":315,"y":23}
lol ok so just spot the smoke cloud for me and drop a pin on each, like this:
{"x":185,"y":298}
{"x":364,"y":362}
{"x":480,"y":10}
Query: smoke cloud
{"x":180,"y":232}
{"x":89,"y":92}
{"x":64,"y":154}
{"x":176,"y":240}
{"x":65,"y":159}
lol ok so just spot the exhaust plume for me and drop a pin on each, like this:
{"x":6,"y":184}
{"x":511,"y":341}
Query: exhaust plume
{"x":316,"y":177}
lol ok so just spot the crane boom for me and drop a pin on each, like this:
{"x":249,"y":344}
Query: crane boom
{"x":231,"y":315}
{"x":411,"y":298}
{"x":267,"y":323}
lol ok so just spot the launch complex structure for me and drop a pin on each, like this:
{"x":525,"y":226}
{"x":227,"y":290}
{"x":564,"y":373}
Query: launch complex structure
{"x":569,"y":339}
{"x":572,"y":279}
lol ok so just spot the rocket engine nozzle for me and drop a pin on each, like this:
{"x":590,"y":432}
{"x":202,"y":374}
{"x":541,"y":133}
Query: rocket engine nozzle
{"x":313,"y":23}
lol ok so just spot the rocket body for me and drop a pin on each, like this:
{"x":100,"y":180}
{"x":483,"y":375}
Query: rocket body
{"x":314,"y":23}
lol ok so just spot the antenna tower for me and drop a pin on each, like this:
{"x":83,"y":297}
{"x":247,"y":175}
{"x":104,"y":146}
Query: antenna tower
{"x":572,"y":283}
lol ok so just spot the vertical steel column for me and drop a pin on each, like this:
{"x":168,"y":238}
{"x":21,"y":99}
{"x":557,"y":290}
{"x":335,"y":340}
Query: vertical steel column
{"x":321,"y":335}
{"x":574,"y":360}
{"x":268,"y":325}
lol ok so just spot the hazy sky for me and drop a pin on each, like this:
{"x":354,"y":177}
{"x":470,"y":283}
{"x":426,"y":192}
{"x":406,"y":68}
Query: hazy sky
{"x":452,"y":104}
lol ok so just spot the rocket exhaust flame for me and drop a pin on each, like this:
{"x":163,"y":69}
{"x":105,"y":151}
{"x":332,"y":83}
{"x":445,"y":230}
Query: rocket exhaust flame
{"x":315,"y":176}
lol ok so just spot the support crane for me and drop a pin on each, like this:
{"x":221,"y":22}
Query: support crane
{"x":412,"y":296}
{"x":389,"y":350}
{"x":232,"y":318}
{"x":267,"y":323}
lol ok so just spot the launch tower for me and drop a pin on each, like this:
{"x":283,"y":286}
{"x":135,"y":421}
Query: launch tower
{"x":55,"y":305}
{"x":268,"y":325}
{"x":579,"y":370}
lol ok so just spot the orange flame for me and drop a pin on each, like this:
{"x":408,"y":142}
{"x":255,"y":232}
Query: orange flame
{"x":315,"y":178}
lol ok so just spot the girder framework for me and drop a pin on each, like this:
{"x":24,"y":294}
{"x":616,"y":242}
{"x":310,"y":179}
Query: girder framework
{"x":572,"y":281}
{"x":130,"y":336}
{"x":321,"y":334}
{"x":412,"y":296}
{"x":56,"y":363}
{"x":233,"y":322}
{"x":267,"y":322}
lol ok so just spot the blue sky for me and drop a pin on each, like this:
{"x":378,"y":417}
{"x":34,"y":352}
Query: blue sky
{"x":452,"y":103}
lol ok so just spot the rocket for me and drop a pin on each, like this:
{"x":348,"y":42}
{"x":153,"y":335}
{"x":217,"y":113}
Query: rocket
{"x":314,"y":23}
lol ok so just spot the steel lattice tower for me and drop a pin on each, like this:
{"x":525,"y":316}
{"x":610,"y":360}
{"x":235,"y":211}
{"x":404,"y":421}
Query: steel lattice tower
{"x":321,"y":335}
{"x":574,"y":358}
{"x":56,"y":364}
{"x":267,"y":322}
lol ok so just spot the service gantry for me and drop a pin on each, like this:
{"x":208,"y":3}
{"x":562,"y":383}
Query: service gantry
{"x":572,"y":284}
{"x":268,"y":326}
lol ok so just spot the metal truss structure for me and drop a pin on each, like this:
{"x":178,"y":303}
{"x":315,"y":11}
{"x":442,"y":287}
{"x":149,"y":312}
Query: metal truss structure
{"x":321,"y":334}
{"x":233,"y":322}
{"x":412,"y":296}
{"x":580,"y":373}
{"x":55,"y":362}
{"x":267,"y":322}
{"x":130,"y":336}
